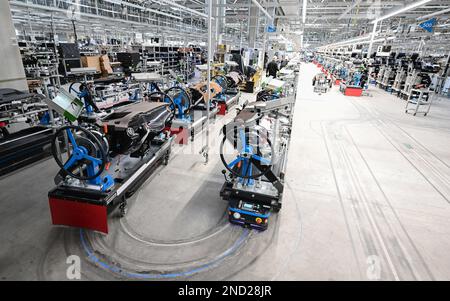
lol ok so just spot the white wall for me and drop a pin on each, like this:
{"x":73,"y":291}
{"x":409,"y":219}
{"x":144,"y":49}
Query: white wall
{"x":12,"y":74}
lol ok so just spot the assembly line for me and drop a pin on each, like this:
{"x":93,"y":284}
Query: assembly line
{"x":220,"y":141}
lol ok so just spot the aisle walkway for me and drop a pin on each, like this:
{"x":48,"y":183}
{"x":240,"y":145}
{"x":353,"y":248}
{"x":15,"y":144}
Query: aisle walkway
{"x":371,"y":187}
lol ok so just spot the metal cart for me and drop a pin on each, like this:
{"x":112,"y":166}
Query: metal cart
{"x":418,"y":99}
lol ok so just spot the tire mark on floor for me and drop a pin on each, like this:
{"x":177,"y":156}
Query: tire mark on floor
{"x":435,"y":173}
{"x":411,"y":251}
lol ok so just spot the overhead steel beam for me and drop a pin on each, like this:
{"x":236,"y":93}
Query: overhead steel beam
{"x":63,"y":11}
{"x":262,"y":9}
{"x":338,"y":5}
{"x":183,"y":8}
{"x":12,"y":2}
{"x":372,"y":38}
{"x":441,"y":12}
{"x":329,"y":17}
{"x":305,"y":2}
{"x":208,"y":78}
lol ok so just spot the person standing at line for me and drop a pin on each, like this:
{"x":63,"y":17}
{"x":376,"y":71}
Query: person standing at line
{"x":272,"y":68}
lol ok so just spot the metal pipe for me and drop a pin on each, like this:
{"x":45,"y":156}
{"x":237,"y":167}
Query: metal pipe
{"x":349,"y":9}
{"x":208,"y":76}
{"x":26,"y":136}
{"x":304,"y":11}
{"x":88,"y":15}
{"x":55,"y":49}
{"x":240,"y":36}
{"x":184,"y":8}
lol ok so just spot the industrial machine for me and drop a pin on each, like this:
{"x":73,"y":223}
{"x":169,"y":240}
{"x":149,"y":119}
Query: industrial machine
{"x":69,"y":58}
{"x":405,"y":75}
{"x":350,"y":73}
{"x":254,"y":152}
{"x":104,"y":94}
{"x":103,"y":160}
{"x":189,"y":102}
{"x":190,"y":109}
{"x":289,"y":74}
{"x":321,"y":83}
{"x":229,"y":95}
{"x":268,"y":95}
{"x":355,"y":83}
{"x":199,"y":94}
{"x":129,"y":60}
{"x":234,"y":79}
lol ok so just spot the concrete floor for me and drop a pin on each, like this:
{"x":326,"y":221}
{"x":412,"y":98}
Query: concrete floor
{"x":367,"y":197}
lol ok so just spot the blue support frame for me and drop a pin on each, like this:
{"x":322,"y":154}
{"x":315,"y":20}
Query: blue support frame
{"x":178,"y":100}
{"x":246,"y":154}
{"x":81,"y":153}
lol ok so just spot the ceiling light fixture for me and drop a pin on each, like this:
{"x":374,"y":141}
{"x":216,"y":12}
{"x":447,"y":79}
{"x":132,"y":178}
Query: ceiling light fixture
{"x":402,"y":10}
{"x":193,"y":11}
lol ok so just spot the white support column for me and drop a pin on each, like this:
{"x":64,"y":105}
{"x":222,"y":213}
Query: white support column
{"x":240,"y":36}
{"x":208,"y":76}
{"x":264,"y":50}
{"x":252,"y":25}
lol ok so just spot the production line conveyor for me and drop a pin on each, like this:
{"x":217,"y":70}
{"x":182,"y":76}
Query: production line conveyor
{"x":254,"y":152}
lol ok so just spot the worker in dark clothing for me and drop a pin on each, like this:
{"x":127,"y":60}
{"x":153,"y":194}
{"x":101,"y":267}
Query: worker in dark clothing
{"x":272,"y":68}
{"x":284,"y":62}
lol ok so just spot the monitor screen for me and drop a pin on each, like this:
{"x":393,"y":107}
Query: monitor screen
{"x":386,"y":48}
{"x":247,"y":206}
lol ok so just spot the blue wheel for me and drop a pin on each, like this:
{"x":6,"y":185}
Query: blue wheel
{"x":181,"y":99}
{"x":246,"y":153}
{"x":83,"y":149}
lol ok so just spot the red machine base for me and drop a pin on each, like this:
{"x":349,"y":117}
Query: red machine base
{"x":79,"y":214}
{"x":353,"y":91}
{"x":182,"y":135}
{"x":222,"y":109}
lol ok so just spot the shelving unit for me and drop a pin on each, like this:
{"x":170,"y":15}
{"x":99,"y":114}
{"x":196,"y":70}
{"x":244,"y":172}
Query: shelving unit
{"x":189,"y":58}
{"x":181,"y":59}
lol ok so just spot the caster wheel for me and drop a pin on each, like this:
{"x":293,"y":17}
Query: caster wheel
{"x":123,"y":209}
{"x":414,"y":114}
{"x":425,"y":114}
{"x":166,"y":160}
